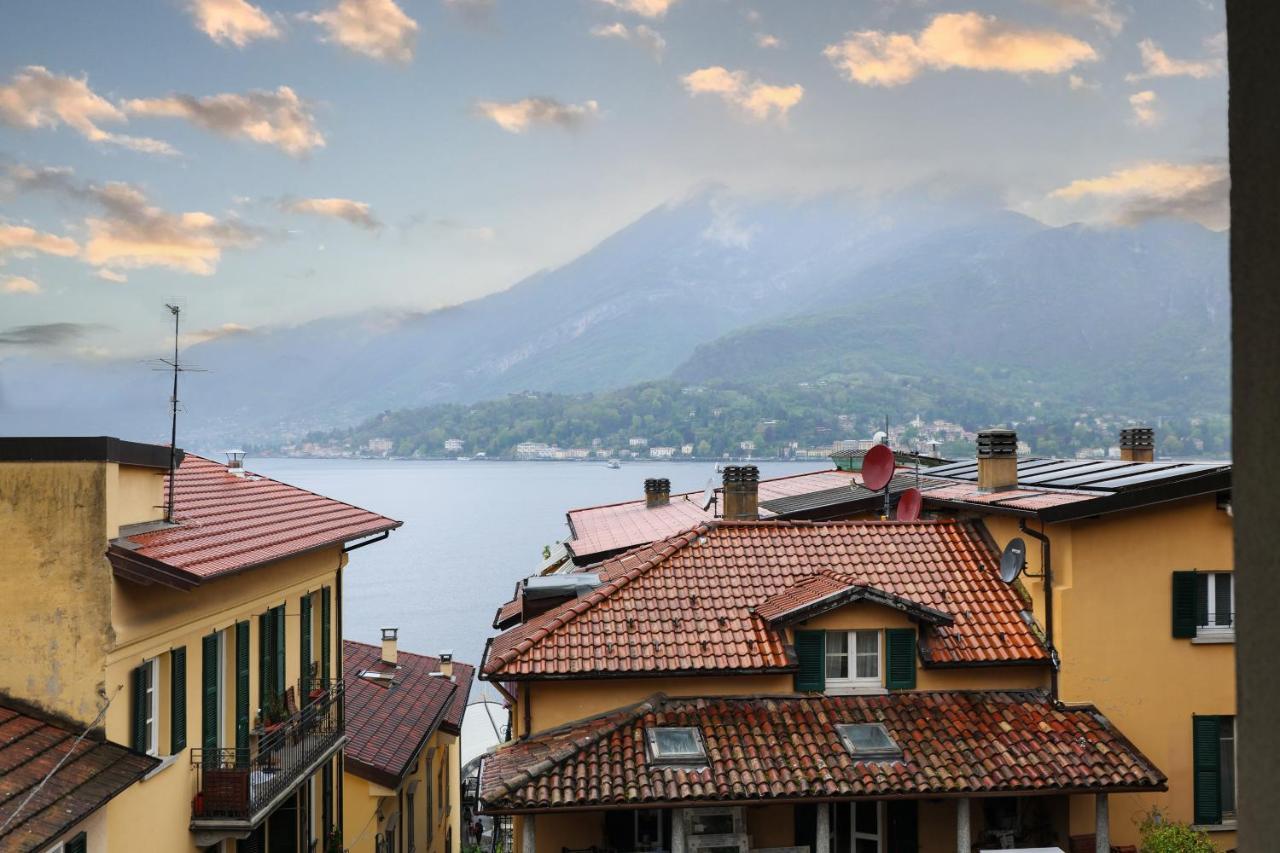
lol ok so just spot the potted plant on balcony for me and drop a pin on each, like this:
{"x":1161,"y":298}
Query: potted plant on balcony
{"x":273,"y":715}
{"x":333,"y":843}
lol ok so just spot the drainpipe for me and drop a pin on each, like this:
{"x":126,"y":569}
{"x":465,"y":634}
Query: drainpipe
{"x":1046,"y":573}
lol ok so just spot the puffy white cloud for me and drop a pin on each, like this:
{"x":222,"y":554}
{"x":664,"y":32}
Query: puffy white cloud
{"x":519,"y":116}
{"x":236,"y":22}
{"x":645,"y":36}
{"x":375,"y":28}
{"x":36,"y":97}
{"x":22,"y":240}
{"x":226,"y":330}
{"x":19,"y":284}
{"x":112,"y":276}
{"x":756,"y":99}
{"x":766,"y":40}
{"x":1157,"y":63}
{"x":1195,"y":191}
{"x":1101,"y":12}
{"x":1078,"y":83}
{"x":278,"y":118}
{"x":644,"y":8}
{"x":1145,"y":111}
{"x":356,"y":212}
{"x":965,"y":40}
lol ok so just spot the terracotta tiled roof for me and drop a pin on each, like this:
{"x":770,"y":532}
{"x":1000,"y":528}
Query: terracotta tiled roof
{"x":685,"y":604}
{"x":787,"y":748}
{"x":95,"y":772}
{"x":228,"y":523}
{"x":386,"y":726}
{"x":828,"y":590}
{"x":602,"y":529}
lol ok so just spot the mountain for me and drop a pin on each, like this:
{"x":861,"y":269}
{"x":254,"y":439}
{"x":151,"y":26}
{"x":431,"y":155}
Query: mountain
{"x":940,"y":296}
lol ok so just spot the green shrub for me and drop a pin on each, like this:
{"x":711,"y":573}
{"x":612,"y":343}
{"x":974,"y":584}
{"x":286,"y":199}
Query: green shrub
{"x":1159,"y":835}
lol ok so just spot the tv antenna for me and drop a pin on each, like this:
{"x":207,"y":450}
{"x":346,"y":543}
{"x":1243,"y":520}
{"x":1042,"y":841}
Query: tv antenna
{"x":176,"y":365}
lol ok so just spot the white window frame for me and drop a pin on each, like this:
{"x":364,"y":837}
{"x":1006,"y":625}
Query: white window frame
{"x":152,"y":720}
{"x":1212,"y":632}
{"x":854,"y":684}
{"x":854,"y":835}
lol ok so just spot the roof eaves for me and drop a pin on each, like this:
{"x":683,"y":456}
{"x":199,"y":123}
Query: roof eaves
{"x":861,"y":592}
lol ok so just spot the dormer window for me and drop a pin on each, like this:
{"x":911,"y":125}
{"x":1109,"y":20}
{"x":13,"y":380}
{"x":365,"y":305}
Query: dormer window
{"x":869,"y":742}
{"x":853,"y":659}
{"x":676,"y":745}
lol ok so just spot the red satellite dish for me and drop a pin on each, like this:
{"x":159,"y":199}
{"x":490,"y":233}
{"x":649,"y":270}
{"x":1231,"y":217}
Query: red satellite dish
{"x":909,"y":505}
{"x":877,"y":467}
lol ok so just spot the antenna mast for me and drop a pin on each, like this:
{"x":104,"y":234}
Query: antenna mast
{"x":176,"y":311}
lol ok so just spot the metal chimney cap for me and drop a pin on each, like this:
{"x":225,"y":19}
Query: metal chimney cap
{"x":1139,"y":437}
{"x":997,"y":443}
{"x":741,"y":474}
{"x":390,"y":633}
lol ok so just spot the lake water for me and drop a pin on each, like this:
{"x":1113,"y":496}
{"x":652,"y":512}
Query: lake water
{"x":471,"y":530}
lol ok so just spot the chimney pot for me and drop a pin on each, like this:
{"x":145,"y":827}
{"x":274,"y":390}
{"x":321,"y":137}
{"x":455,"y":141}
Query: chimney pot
{"x":741,"y":493}
{"x":389,"y":636}
{"x":997,"y":460}
{"x":446,"y":663}
{"x":657,"y":492}
{"x":235,"y":462}
{"x":1138,"y":444}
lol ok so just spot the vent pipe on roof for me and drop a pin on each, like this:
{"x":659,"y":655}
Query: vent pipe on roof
{"x":741,"y":493}
{"x":1138,"y":444}
{"x":389,"y":636}
{"x":997,"y":460}
{"x":657,"y":492}
{"x":235,"y":462}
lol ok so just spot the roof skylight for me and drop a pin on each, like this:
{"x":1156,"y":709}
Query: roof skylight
{"x":869,"y":741}
{"x":676,"y":745}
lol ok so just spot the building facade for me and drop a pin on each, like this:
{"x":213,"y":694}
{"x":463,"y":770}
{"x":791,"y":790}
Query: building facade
{"x":197,"y":626}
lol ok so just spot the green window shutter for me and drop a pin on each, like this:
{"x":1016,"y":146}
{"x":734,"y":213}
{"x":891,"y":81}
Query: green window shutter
{"x":1184,"y":604}
{"x":266,"y":638}
{"x":138,"y":686}
{"x":178,"y":700}
{"x":1205,"y":756}
{"x":209,"y":692}
{"x":242,"y":691}
{"x":811,"y":649}
{"x":304,"y":646}
{"x":900,"y":658}
{"x":279,"y":681}
{"x":79,"y":844}
{"x":326,"y":640}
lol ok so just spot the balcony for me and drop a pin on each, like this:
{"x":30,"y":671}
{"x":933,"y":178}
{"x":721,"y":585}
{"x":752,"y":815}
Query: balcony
{"x":236,"y":790}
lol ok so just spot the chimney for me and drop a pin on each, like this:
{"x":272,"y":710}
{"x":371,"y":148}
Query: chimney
{"x":741,"y":493}
{"x":389,"y":645}
{"x":1138,"y":444}
{"x":657,"y":493}
{"x":235,"y":462}
{"x":446,"y":663}
{"x":997,"y":460}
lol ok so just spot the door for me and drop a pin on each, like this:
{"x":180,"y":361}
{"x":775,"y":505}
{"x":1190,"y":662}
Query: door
{"x":282,"y":828}
{"x":858,"y":827}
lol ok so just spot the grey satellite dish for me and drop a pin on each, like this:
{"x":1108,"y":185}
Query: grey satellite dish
{"x":709,"y":493}
{"x":1013,"y":560}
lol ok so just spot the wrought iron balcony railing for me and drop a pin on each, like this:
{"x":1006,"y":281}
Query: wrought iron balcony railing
{"x":236,"y":785}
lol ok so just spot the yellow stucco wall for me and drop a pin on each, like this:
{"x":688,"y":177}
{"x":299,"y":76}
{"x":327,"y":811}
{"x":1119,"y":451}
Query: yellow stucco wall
{"x":134,"y":495}
{"x":1113,"y":602}
{"x":368,"y":807}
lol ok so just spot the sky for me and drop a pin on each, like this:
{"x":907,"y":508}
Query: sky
{"x":269,"y":162}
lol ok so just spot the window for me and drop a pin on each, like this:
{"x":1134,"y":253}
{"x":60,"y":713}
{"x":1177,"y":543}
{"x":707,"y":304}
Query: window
{"x":1214,"y":767}
{"x":869,"y":741}
{"x":676,"y":745}
{"x":1215,"y":602}
{"x":856,"y":827}
{"x":853,"y":658}
{"x":146,"y":709}
{"x":649,"y":829}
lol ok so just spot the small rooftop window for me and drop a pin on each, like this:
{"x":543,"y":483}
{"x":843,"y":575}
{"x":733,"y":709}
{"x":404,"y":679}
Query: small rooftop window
{"x":869,"y":741}
{"x":676,"y":745}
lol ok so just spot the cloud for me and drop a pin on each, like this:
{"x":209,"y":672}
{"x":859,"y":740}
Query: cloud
{"x":1078,"y":83}
{"x":647,"y":37}
{"x":356,"y":212}
{"x":278,"y":118}
{"x":476,"y":232}
{"x":1145,"y":111}
{"x":965,"y":40}
{"x":477,"y":13}
{"x":236,"y":22}
{"x":21,"y":240}
{"x":44,"y":334}
{"x":1157,"y":63}
{"x":1194,"y":191}
{"x":766,"y":40}
{"x":375,"y":28}
{"x":35,"y":98}
{"x":1101,"y":12}
{"x":519,"y":116}
{"x":643,"y":8}
{"x":112,"y":276}
{"x":19,"y":284}
{"x":129,"y":232}
{"x":226,"y":330}
{"x":755,"y":98}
